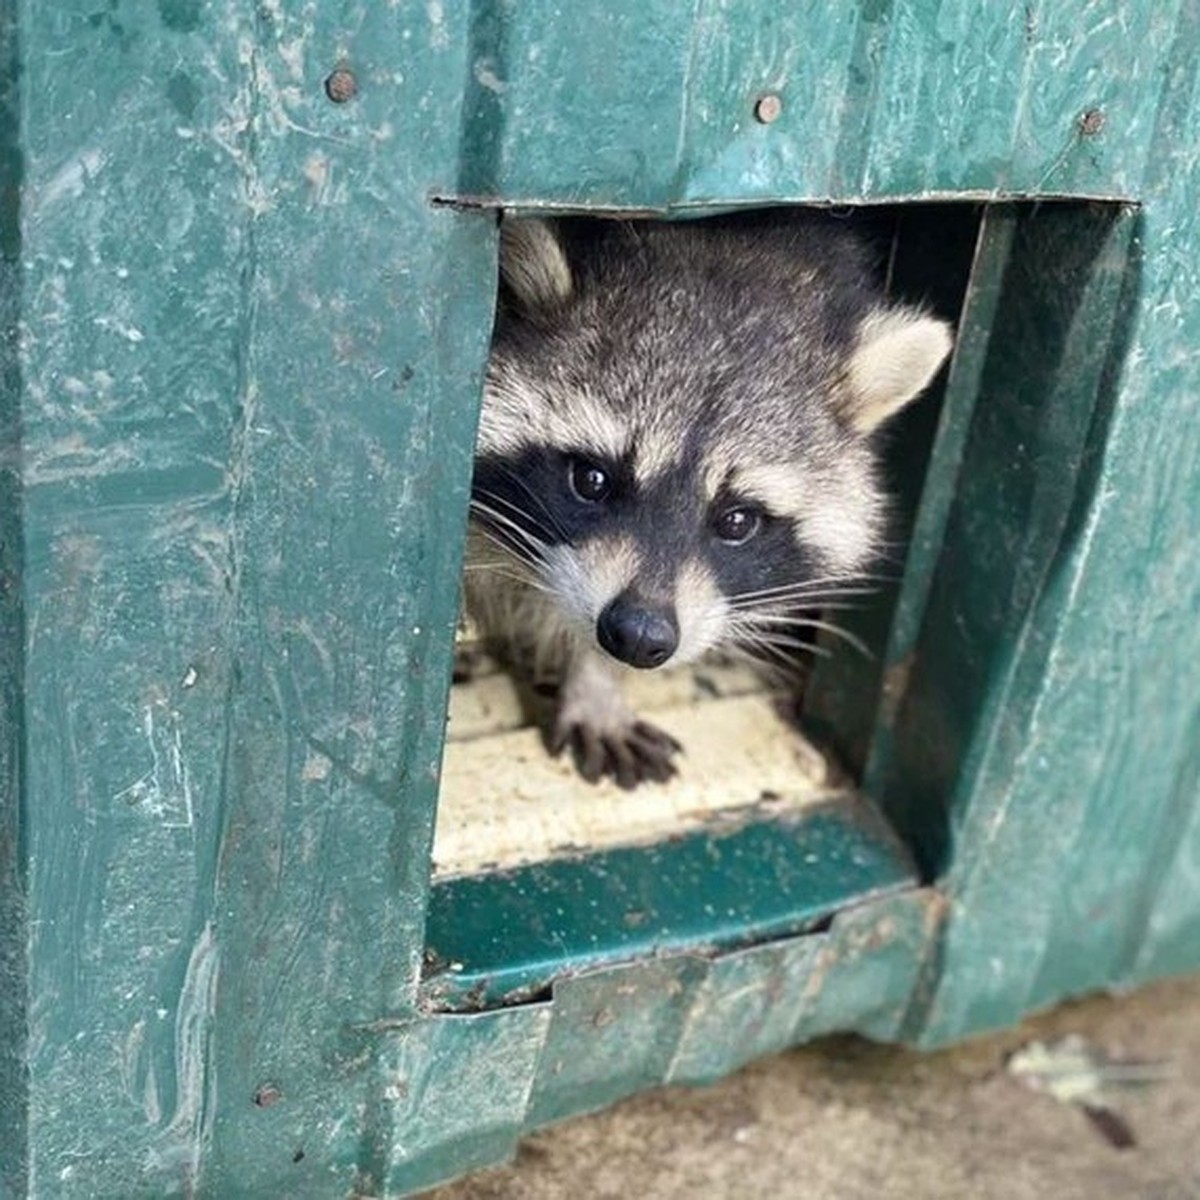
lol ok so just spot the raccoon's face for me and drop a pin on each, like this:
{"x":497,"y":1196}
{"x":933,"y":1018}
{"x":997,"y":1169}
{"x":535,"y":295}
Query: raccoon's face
{"x":675,"y":441}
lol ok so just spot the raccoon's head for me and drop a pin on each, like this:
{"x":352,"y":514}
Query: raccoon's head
{"x":676,"y":437}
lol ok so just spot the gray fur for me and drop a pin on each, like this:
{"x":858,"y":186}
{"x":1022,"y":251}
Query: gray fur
{"x":739,"y":362}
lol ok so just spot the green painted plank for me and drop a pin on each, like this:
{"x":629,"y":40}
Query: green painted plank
{"x":1131,"y":619}
{"x":1101,"y":66}
{"x":1166,"y":931}
{"x":250,"y":360}
{"x":446,"y":1086}
{"x":503,"y":936}
{"x":860,"y":976}
{"x":363,"y":356}
{"x":530,"y":128}
{"x":973,"y":331}
{"x":972,"y":675}
{"x":1162,"y":364}
{"x":613,"y":1032}
{"x":450,"y":1096}
{"x":914,"y":817}
{"x":14,"y":958}
{"x":883,"y":98}
{"x":875,"y":962}
{"x":130,"y":313}
{"x":809,"y":55}
{"x":1058,"y":884}
{"x":936,"y":89}
{"x":990,"y":97}
{"x":746,"y":1008}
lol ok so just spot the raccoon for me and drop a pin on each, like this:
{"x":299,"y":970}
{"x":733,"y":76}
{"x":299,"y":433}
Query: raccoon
{"x":676,"y":450}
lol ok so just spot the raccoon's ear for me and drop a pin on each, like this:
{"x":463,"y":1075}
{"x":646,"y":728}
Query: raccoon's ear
{"x":898,"y":353}
{"x":532,"y":264}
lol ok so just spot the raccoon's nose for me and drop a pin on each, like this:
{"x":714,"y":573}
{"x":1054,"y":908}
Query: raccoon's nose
{"x":641,"y":637}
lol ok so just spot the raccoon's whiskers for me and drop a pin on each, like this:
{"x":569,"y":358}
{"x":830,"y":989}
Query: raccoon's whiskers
{"x":526,"y":547}
{"x":553,"y":525}
{"x":487,"y":500}
{"x":797,"y":599}
{"x":818,"y":581}
{"x":514,"y":552}
{"x":792,"y":645}
{"x":761,"y":650}
{"x":504,"y":521}
{"x":832,"y":586}
{"x":837,"y":631}
{"x":512,"y":572}
{"x":772,"y":626}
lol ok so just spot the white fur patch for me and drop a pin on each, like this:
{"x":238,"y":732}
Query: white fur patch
{"x":591,"y":696}
{"x":783,"y":488}
{"x":845,"y":538}
{"x":517,"y":415}
{"x":656,"y":451}
{"x":718,"y":468}
{"x":701,"y":610}
{"x":898,"y":353}
{"x":585,"y":579}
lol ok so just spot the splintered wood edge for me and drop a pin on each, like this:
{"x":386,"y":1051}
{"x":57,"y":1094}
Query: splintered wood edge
{"x":505,"y":802}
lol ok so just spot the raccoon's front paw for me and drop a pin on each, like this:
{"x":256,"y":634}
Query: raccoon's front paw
{"x":630,"y":753}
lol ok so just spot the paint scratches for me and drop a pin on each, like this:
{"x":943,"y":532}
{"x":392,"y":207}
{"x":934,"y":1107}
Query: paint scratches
{"x":164,"y":792}
{"x":188,"y":1129}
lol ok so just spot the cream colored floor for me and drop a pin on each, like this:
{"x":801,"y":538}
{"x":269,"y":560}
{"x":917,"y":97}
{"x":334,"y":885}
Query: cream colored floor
{"x":504,"y":801}
{"x":846,"y":1120}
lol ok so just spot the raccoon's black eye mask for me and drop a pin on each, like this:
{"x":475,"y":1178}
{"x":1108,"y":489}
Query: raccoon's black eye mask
{"x":592,"y":481}
{"x":556,"y":496}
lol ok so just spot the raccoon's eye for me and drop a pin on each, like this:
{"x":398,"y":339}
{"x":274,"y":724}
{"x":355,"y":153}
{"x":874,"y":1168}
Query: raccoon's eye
{"x":737,"y":525}
{"x":588,"y":481}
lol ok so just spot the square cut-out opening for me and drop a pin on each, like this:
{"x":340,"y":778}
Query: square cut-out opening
{"x":765,"y":831}
{"x":506,"y":801}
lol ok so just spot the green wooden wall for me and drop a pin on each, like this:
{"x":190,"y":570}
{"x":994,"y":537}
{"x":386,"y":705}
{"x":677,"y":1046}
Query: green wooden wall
{"x":244,"y":327}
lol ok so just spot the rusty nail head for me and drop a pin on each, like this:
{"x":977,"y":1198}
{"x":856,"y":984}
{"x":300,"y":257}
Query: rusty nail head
{"x":341,"y":85}
{"x":1091,"y":122}
{"x":267,"y":1095}
{"x":768,"y":108}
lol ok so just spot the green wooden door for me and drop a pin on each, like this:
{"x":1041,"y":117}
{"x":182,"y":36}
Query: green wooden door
{"x":246,"y":316}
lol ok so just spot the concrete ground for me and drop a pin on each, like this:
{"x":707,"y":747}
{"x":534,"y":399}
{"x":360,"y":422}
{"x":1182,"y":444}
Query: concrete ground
{"x":844,"y":1119}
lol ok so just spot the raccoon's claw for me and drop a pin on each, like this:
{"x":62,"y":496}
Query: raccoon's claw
{"x":630,"y":755}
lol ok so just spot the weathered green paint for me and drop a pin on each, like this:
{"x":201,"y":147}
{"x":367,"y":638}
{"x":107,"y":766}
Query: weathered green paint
{"x":881,"y":99}
{"x":857,"y":976}
{"x":615,"y":1031}
{"x":501,"y":937}
{"x":449,"y":1090}
{"x":610,"y":1032}
{"x":1096,"y":802}
{"x":240,"y":363}
{"x":250,"y":357}
{"x":14,"y":957}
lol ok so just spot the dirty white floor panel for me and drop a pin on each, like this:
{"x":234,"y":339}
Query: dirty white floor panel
{"x":505,"y":801}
